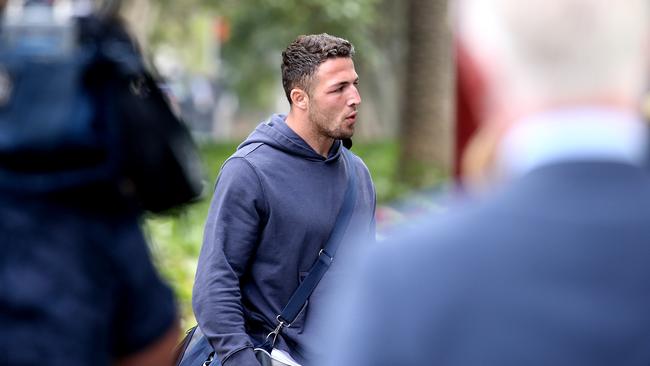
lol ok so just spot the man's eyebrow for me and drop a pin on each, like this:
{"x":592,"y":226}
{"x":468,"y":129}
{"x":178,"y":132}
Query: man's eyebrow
{"x":345,"y":82}
{"x":340,"y":83}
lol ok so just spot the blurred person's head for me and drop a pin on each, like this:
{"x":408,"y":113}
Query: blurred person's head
{"x":536,"y":55}
{"x":320,"y":83}
{"x":559,"y":52}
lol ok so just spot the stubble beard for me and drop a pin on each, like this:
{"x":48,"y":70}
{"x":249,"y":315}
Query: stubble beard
{"x":329,"y":126}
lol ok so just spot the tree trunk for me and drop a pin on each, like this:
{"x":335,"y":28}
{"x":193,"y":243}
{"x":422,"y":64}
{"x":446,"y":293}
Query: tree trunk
{"x":426,"y":130}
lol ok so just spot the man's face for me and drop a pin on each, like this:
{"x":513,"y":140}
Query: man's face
{"x":334,"y":98}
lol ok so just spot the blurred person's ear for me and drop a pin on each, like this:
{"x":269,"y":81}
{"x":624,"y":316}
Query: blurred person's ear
{"x":479,"y":164}
{"x":481,"y":136}
{"x":488,"y":99}
{"x":645,"y":106}
{"x":469,"y":101}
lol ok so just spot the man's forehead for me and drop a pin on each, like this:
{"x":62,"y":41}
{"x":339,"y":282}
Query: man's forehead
{"x":336,"y":70}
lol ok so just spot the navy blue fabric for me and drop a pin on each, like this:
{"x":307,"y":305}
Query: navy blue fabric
{"x":328,"y":253}
{"x":77,"y":286}
{"x":275,"y":203}
{"x":551,"y":271}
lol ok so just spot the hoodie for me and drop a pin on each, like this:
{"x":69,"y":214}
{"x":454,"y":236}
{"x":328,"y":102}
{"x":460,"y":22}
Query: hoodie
{"x":274,"y":205}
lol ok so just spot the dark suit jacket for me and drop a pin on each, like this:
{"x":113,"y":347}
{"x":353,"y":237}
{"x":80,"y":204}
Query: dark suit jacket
{"x":554,"y":270}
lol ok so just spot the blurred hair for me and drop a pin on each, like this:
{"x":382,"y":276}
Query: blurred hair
{"x":562,"y":49}
{"x":303,"y":56}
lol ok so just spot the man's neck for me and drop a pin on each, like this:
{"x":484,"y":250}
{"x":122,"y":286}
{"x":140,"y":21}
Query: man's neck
{"x":303,"y":127}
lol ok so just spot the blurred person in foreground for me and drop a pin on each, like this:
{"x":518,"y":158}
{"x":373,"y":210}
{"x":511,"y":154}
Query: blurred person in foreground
{"x":77,"y":285}
{"x":275,"y":204}
{"x":550,"y":267}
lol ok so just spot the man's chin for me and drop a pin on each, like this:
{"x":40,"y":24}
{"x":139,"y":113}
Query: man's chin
{"x":344,"y":135}
{"x":341,"y":133}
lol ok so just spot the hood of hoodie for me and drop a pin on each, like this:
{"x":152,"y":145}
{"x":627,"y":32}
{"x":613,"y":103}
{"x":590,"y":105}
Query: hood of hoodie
{"x":276,"y":133}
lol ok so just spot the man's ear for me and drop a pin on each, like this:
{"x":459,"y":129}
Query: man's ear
{"x":299,"y":98}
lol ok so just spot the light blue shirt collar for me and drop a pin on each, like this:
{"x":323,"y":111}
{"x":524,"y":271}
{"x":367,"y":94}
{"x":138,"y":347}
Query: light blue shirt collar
{"x":584,"y":134}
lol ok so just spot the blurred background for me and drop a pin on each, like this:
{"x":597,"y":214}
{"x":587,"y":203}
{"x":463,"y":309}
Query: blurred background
{"x":220,"y":62}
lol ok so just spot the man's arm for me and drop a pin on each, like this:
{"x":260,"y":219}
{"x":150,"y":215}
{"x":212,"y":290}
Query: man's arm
{"x":231,"y":235}
{"x":145,"y":326}
{"x":159,"y":353}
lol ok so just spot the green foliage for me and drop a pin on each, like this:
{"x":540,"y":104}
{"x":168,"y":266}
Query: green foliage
{"x":175,"y":243}
{"x":176,"y":239}
{"x":259,"y":30}
{"x":420,"y":174}
{"x":380,"y":158}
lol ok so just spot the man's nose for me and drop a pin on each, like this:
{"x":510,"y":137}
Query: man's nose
{"x":355,"y":98}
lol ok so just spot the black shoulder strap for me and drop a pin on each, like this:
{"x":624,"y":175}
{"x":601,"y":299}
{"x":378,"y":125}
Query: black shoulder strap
{"x":326,"y":254}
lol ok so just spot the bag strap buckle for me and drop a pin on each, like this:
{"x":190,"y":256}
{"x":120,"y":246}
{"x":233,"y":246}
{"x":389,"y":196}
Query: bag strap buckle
{"x":281,"y":324}
{"x":323,"y":252}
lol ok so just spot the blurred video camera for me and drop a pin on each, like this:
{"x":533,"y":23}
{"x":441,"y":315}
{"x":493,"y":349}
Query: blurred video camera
{"x":32,"y":29}
{"x":79,"y":109}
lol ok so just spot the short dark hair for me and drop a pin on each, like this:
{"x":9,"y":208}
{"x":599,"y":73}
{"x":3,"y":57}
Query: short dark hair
{"x":303,"y":56}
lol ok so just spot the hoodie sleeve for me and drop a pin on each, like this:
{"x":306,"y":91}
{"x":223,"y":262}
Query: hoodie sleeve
{"x":236,"y":216}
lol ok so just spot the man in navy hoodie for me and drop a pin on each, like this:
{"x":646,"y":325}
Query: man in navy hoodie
{"x":275,"y":204}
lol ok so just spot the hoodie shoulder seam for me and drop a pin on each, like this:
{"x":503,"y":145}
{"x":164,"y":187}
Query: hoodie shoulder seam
{"x":247,"y":150}
{"x":257,"y":175}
